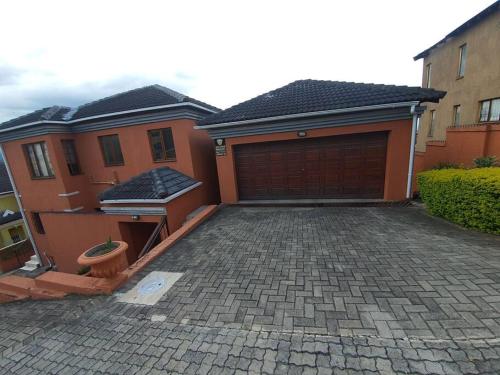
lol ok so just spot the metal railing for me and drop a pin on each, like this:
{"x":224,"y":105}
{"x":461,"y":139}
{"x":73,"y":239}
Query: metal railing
{"x":160,"y":233}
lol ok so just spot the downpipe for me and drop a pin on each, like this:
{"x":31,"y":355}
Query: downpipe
{"x":411,"y":162}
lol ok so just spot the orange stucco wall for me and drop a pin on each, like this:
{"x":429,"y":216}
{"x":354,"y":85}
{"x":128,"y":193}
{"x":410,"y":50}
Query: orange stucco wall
{"x":398,"y":151}
{"x":179,"y":208}
{"x":70,"y":234}
{"x":194,"y":157}
{"x":462,"y":146}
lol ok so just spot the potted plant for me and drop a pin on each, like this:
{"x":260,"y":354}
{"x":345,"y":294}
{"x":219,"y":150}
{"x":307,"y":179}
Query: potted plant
{"x":106,"y":259}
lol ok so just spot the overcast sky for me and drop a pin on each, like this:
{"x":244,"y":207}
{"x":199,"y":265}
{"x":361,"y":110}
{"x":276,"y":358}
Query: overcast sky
{"x":220,"y":52}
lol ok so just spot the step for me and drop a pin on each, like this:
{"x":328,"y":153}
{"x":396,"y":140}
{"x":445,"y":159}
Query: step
{"x":29,"y":268}
{"x":24,"y":287}
{"x":39,"y":293}
{"x":32,"y":263}
{"x":17,"y":284}
{"x":69,"y":283}
{"x":35,"y":258}
{"x":10,"y":296}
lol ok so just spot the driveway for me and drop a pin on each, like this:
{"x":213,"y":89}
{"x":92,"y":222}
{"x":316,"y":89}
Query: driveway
{"x":295,"y":290}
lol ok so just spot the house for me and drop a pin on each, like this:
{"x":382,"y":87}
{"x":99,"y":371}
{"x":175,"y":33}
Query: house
{"x":129,"y":166}
{"x":466,"y":124}
{"x":319,"y":140}
{"x":15,"y":248}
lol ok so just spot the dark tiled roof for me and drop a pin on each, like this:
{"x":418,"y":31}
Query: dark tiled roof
{"x":144,"y":97}
{"x":493,"y":8}
{"x":9,"y":217}
{"x":54,"y":113}
{"x":311,"y":96}
{"x":5,"y":185}
{"x":159,"y":183}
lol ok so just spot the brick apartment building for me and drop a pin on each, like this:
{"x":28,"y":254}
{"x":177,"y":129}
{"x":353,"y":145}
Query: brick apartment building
{"x":465,"y":124}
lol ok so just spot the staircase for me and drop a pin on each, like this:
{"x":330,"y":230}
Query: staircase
{"x":31,"y":264}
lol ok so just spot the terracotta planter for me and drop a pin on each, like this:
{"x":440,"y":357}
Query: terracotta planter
{"x":106,"y":265}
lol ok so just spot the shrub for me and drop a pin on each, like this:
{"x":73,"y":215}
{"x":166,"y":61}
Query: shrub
{"x":486,"y":162}
{"x":83,"y":270}
{"x":446,"y":165}
{"x":467,"y":197}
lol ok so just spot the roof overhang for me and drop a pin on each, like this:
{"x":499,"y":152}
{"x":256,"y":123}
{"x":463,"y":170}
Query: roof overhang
{"x":462,"y":28}
{"x":141,"y":211}
{"x":151,"y":201}
{"x":120,"y":113}
{"x":309,"y":114}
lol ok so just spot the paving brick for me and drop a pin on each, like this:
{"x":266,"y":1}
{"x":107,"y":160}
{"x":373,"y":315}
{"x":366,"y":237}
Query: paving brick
{"x":273,"y":290}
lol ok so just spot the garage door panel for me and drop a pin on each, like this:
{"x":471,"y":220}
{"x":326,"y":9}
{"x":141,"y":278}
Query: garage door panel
{"x":351,"y":166}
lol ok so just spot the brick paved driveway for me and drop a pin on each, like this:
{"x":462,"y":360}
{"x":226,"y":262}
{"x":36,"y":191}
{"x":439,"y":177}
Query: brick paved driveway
{"x":389,"y":272}
{"x":303,"y":290}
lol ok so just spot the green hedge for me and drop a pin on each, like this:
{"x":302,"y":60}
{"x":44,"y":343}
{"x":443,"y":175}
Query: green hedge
{"x":469,"y":197}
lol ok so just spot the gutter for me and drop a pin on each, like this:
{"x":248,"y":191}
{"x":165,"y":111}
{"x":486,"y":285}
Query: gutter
{"x":411,"y":162}
{"x":19,"y":203}
{"x":188,"y":104}
{"x":164,"y":200}
{"x":308,"y":114}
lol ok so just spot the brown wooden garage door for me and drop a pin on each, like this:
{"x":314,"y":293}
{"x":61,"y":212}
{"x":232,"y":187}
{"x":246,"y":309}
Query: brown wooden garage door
{"x":350,"y":166}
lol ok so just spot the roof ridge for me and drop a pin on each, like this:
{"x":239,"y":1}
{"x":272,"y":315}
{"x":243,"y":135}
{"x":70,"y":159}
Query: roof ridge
{"x":42,"y":110}
{"x":177,"y":95}
{"x":157,"y":182}
{"x":51,"y":111}
{"x":113,"y":96}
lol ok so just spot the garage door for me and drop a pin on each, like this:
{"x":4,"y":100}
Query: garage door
{"x":350,"y":166}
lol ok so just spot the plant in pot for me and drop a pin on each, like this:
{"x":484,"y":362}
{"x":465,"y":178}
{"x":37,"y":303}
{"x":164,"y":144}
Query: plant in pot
{"x":106,"y":259}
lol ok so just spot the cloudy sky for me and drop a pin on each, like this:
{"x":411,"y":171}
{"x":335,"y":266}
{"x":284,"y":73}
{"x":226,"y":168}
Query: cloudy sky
{"x":221,"y":52}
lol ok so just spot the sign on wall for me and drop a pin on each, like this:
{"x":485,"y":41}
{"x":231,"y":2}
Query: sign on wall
{"x":220,"y":147}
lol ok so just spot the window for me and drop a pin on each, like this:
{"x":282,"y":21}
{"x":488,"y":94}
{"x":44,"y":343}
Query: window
{"x":431,"y":124}
{"x":462,"y":59}
{"x":71,"y":157}
{"x":111,"y":150}
{"x":428,"y":72}
{"x":162,"y":144}
{"x":16,"y":234}
{"x":456,"y":115}
{"x":490,"y":110}
{"x":37,"y":221}
{"x":38,"y":160}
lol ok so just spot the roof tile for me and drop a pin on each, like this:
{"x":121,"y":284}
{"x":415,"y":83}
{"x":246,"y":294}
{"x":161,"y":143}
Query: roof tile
{"x":159,"y":183}
{"x":312,"y":96}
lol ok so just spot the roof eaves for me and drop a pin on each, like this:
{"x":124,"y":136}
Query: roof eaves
{"x":307,"y":114}
{"x":465,"y":26}
{"x":162,"y":200}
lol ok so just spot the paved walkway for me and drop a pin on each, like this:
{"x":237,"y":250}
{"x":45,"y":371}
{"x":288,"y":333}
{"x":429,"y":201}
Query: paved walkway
{"x":280,"y":290}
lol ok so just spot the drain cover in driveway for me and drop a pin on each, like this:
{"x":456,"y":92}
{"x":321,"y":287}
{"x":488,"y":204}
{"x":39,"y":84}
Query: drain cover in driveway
{"x":150,"y":289}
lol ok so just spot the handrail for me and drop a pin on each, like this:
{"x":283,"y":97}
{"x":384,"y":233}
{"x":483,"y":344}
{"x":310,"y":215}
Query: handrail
{"x":151,"y":240}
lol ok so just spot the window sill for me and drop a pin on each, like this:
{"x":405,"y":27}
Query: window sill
{"x":114,"y":165}
{"x":165,"y":161}
{"x":43,"y":178}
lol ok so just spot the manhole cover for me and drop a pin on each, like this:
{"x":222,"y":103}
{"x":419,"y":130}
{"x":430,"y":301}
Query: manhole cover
{"x":151,"y":286}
